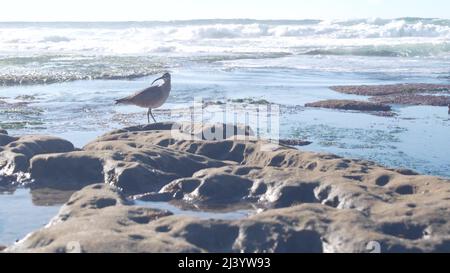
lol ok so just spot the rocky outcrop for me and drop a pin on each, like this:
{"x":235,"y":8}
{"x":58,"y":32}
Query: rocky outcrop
{"x":134,"y":166}
{"x":343,"y":188}
{"x":16,"y":152}
{"x":311,"y":202}
{"x":413,"y":99}
{"x":383,"y":90}
{"x":350,"y":105}
{"x":137,"y":159}
{"x":295,"y":142}
{"x":100,"y":219}
{"x":408,"y":94}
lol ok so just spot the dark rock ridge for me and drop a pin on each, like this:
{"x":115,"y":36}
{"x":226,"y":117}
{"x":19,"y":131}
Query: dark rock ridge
{"x":350,"y":105}
{"x":408,"y":94}
{"x":294,"y":142}
{"x":413,"y":99}
{"x":383,"y":90}
{"x":312,"y":202}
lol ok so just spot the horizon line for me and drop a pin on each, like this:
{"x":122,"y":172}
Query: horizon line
{"x":224,"y":19}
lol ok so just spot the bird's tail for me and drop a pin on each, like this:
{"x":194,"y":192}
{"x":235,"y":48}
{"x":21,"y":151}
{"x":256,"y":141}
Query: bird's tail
{"x":119,"y":101}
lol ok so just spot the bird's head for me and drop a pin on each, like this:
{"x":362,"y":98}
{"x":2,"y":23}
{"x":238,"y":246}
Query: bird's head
{"x":165,"y":77}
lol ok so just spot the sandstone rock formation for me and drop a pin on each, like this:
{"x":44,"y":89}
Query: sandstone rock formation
{"x":100,"y":219}
{"x":383,"y":90}
{"x":16,"y":152}
{"x":413,"y":99}
{"x":311,"y":202}
{"x":408,"y":94}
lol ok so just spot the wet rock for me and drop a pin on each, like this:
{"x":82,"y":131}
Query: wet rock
{"x":99,"y":219}
{"x":218,"y":188}
{"x":408,"y":94}
{"x":413,"y":99}
{"x":5,"y":139}
{"x":383,"y":90}
{"x":16,"y":152}
{"x":26,"y":97}
{"x":251,"y":101}
{"x":274,"y":187}
{"x":4,"y":132}
{"x":312,"y":202}
{"x":137,"y":159}
{"x":294,"y":142}
{"x":189,"y":131}
{"x":350,"y":105}
{"x":157,"y":163}
{"x":136,"y":167}
{"x":406,"y":172}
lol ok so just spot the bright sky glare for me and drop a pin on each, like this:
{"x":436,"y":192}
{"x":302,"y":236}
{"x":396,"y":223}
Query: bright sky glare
{"x":148,"y":10}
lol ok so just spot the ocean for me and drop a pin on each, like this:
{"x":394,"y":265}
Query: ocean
{"x":62,"y":79}
{"x":55,"y":52}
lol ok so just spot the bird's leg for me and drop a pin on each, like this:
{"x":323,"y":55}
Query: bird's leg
{"x":150,"y":111}
{"x":148,"y":115}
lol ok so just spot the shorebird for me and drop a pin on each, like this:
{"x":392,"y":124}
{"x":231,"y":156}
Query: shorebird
{"x":151,"y":97}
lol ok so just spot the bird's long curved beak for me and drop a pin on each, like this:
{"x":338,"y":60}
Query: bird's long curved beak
{"x":160,"y":78}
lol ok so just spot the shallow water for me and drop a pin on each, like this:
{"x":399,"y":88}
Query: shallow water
{"x":82,"y":110}
{"x":416,"y":138}
{"x":20,"y":216}
{"x":231,"y":213}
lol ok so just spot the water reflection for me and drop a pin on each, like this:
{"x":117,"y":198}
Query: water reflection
{"x":50,"y":197}
{"x":234,"y":212}
{"x":23,"y":210}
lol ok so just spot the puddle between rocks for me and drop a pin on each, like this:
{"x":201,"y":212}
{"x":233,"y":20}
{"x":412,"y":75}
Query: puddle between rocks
{"x":22,"y":212}
{"x":229,"y":213}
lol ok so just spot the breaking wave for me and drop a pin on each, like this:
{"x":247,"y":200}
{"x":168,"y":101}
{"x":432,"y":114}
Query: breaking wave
{"x":54,"y":52}
{"x":406,"y":50}
{"x":197,"y":35}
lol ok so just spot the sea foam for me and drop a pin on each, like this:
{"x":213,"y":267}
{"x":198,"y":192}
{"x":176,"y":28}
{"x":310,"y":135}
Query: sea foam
{"x":64,"y":51}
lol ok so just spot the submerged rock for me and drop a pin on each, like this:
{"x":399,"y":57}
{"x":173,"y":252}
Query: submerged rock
{"x":350,"y":105}
{"x":413,"y":99}
{"x":408,"y":94}
{"x":295,"y":142}
{"x":383,"y":90}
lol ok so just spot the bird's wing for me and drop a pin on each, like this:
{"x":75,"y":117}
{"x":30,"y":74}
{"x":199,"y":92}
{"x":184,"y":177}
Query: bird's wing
{"x":143,"y":96}
{"x":148,"y":91}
